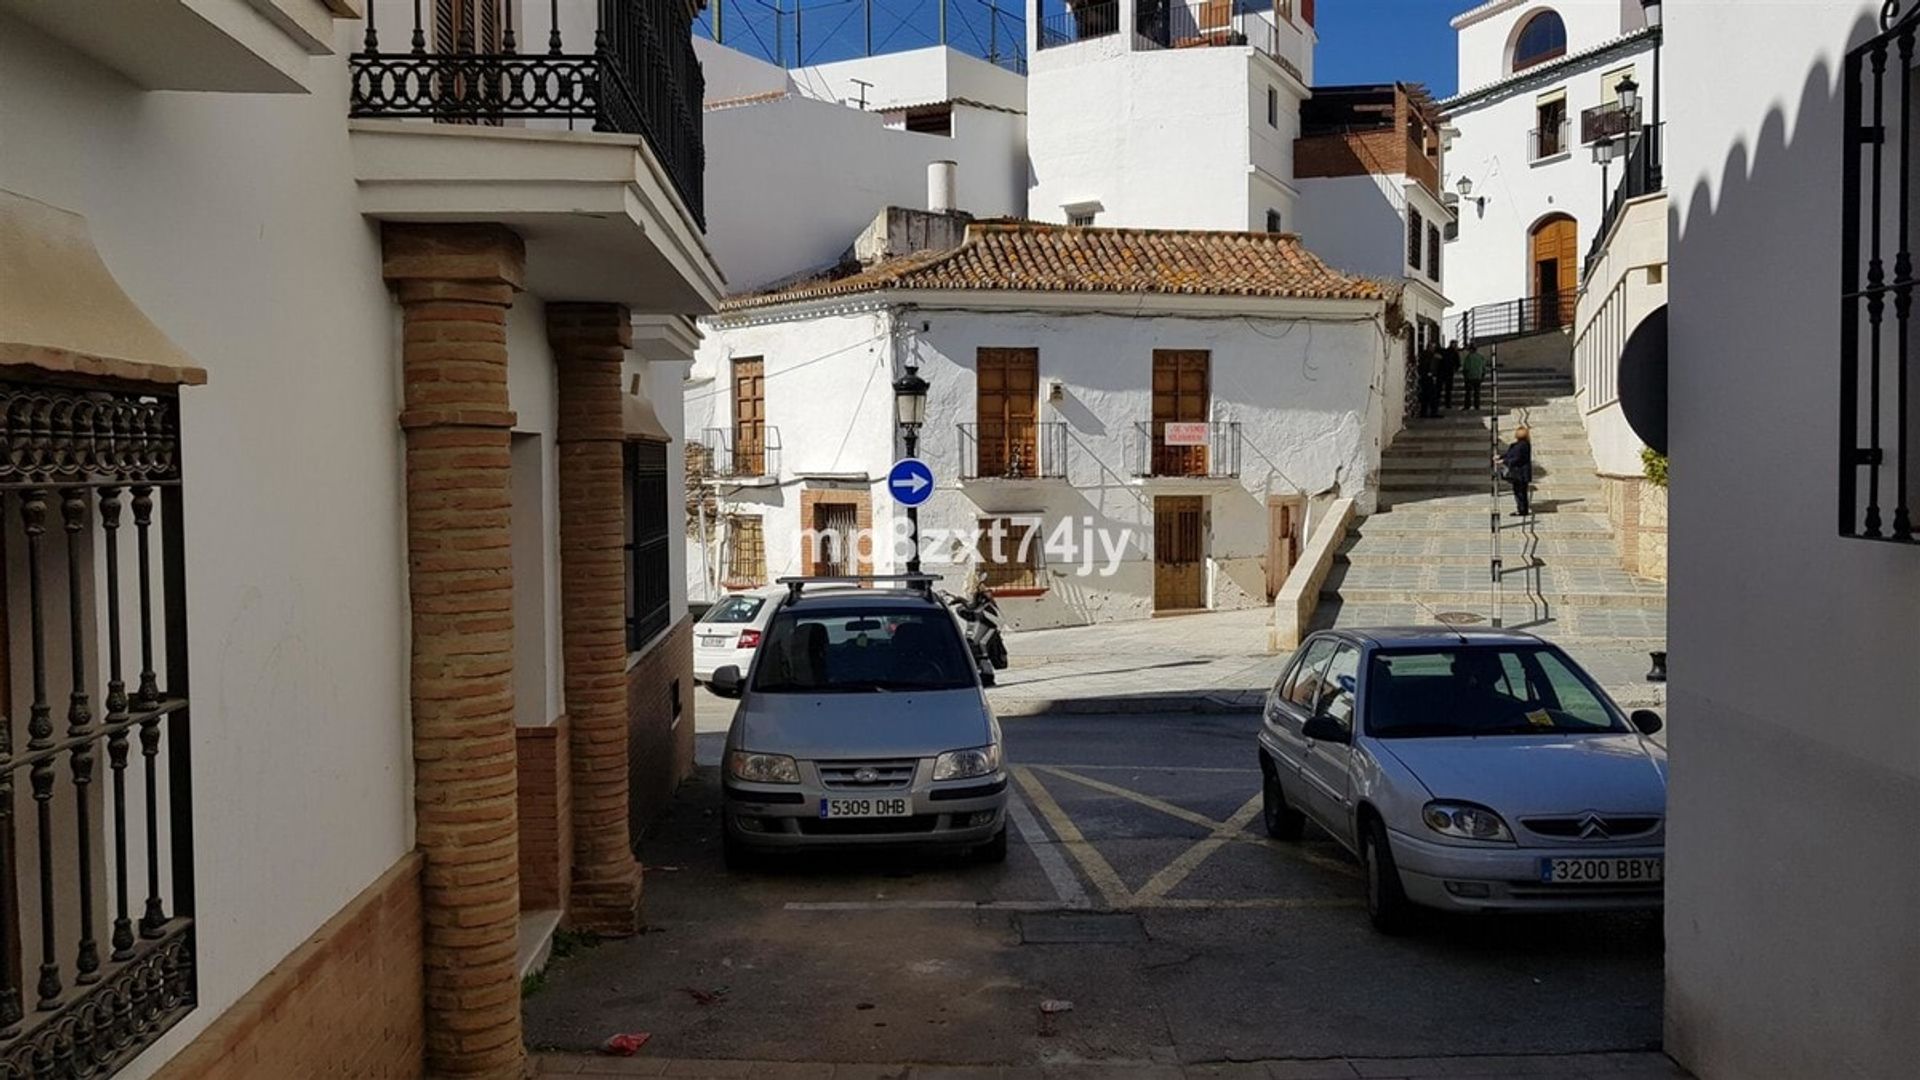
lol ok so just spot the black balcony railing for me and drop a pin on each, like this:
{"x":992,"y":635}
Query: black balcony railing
{"x":1877,"y":283}
{"x":1178,"y":25}
{"x":1549,"y":141}
{"x":1642,"y":176}
{"x":638,"y":75}
{"x":1207,"y":449}
{"x":1002,"y":451}
{"x":1084,"y":22}
{"x":743,"y":452}
{"x":96,"y":884}
{"x":1608,"y":121}
{"x":1516,"y":318}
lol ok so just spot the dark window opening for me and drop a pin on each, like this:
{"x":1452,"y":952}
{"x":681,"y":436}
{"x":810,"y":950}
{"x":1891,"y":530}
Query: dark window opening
{"x":1273,"y":221}
{"x":1433,"y":253}
{"x":932,"y":120}
{"x":1543,"y":38}
{"x":1415,"y":234}
{"x":649,"y":599}
{"x":1273,"y":107}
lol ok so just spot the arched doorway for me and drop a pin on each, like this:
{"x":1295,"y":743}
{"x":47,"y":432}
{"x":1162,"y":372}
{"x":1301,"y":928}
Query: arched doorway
{"x":1554,"y":279}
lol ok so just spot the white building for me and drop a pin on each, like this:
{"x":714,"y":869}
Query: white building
{"x":797,"y":164}
{"x":376,"y":542}
{"x":1793,"y":939}
{"x":1539,"y":83}
{"x":1156,"y":115}
{"x":1060,"y":361}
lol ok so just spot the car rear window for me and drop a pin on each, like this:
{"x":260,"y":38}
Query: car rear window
{"x":1482,"y":690}
{"x":852,"y":650}
{"x":735,"y":609}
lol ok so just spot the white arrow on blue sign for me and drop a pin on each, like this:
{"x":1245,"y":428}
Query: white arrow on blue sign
{"x":911,"y":481}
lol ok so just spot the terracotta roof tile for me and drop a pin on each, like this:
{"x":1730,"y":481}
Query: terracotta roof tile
{"x":1021,"y":256}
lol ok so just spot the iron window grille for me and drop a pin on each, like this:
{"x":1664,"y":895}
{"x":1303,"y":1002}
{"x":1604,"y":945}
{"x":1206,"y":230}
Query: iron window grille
{"x":94,"y":554}
{"x":1433,"y":253}
{"x":649,"y":596}
{"x":1415,"y":225}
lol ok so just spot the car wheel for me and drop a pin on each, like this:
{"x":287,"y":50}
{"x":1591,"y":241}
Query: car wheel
{"x":997,"y":653}
{"x":995,"y":850}
{"x":1387,"y":903}
{"x":1283,"y":822}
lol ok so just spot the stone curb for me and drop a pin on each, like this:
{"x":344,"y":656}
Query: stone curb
{"x":1643,"y":1065}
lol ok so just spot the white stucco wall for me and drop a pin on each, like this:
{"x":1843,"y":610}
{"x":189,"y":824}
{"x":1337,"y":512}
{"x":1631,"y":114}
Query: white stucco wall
{"x":731,"y":73}
{"x":231,"y":221}
{"x":1159,"y":139}
{"x":1487,"y":32}
{"x":533,"y":393}
{"x":1793,"y":939}
{"x":1491,"y":260}
{"x":791,"y":182}
{"x":915,"y":77}
{"x":1306,"y":393}
{"x":1629,"y":282}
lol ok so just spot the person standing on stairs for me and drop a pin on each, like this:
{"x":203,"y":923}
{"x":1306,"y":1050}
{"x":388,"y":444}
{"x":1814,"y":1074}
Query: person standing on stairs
{"x":1429,"y":382}
{"x":1516,"y":464}
{"x":1473,"y":371}
{"x":1449,"y":369}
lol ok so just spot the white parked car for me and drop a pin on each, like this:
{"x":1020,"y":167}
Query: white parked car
{"x":730,"y":631}
{"x":1469,"y":771}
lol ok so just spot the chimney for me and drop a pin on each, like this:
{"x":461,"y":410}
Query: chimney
{"x":940,"y":186}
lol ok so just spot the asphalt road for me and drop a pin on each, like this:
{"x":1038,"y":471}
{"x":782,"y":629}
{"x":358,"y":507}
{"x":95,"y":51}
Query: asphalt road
{"x":1139,"y":888}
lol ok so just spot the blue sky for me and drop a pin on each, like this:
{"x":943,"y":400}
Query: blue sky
{"x":1361,"y":41}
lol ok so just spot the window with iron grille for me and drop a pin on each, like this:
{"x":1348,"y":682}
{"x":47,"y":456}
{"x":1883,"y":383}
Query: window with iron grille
{"x":1433,"y":252}
{"x":1273,"y":221}
{"x":746,"y":551}
{"x":1877,"y":283}
{"x":1415,"y":231}
{"x":1010,"y":553}
{"x":649,"y":599}
{"x":1273,"y":107}
{"x":96,"y":884}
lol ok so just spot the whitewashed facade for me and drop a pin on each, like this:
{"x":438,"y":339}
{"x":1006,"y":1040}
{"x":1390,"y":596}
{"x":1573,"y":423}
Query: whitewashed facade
{"x":1517,"y":137}
{"x":1793,"y":942}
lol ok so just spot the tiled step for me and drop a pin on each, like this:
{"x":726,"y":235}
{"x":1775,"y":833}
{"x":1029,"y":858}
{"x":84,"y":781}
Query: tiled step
{"x":1477,"y":459}
{"x":1451,"y":599}
{"x":1638,"y":629}
{"x":1477,"y":502}
{"x":1465,"y":522}
{"x":1368,"y":546}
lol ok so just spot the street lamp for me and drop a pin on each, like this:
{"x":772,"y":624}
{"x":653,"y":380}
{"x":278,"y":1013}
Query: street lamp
{"x":1605,"y":149}
{"x":910,"y":411}
{"x":1652,"y":8}
{"x":1629,"y":92}
{"x":1654,"y":168}
{"x":1464,"y":186}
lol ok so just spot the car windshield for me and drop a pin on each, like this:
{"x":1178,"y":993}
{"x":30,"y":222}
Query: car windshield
{"x":735,"y":609}
{"x":1482,"y":690}
{"x":864,"y":649}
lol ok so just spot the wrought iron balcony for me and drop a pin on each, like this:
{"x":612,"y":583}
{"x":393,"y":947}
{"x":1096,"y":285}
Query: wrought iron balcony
{"x":1642,"y":176}
{"x":741,"y":453}
{"x":1082,"y":22}
{"x":1001,"y":451}
{"x":96,"y":884}
{"x":1549,"y":141}
{"x":1200,"y":450}
{"x":1609,"y":121}
{"x":1174,"y":24}
{"x":638,"y":75}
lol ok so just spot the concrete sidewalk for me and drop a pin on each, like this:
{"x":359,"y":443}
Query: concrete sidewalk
{"x":1614,"y":1066}
{"x":1212,"y":662}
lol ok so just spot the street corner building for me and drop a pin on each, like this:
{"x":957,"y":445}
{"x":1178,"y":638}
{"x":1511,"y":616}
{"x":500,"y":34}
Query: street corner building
{"x":1145,"y":417}
{"x":346,"y":643}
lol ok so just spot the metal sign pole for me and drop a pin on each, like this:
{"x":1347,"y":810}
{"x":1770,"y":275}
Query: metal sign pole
{"x":1493,"y":505}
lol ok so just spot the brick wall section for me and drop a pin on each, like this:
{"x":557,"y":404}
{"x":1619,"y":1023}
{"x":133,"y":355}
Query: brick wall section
{"x":546,"y":817}
{"x":659,"y":744}
{"x":1374,"y":151}
{"x":347,"y":1002}
{"x":454,"y":284}
{"x":589,"y":345}
{"x":863,"y":520}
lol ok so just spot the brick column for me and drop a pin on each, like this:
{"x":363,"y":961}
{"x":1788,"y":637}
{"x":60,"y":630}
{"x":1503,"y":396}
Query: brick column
{"x":589,"y":343}
{"x":455,"y":283}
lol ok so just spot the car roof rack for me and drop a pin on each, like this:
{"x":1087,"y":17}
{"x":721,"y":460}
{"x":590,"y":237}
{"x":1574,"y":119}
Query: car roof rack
{"x":920,"y":583}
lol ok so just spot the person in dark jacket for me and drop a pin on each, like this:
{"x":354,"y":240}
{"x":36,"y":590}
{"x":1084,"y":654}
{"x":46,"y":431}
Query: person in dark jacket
{"x":1517,"y":463}
{"x":1429,"y":382}
{"x":1449,"y":370}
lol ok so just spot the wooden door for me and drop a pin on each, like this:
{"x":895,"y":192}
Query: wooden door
{"x":1283,"y":540}
{"x":1179,"y":557}
{"x":1180,"y":388}
{"x":749,"y":417}
{"x":1006,"y":407}
{"x":1216,"y":17}
{"x":1556,"y":271}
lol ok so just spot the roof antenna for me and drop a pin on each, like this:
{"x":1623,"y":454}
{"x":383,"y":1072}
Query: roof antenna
{"x":1442,"y":623}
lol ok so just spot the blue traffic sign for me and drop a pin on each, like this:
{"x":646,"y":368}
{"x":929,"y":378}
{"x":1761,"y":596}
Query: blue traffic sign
{"x":910,"y":481}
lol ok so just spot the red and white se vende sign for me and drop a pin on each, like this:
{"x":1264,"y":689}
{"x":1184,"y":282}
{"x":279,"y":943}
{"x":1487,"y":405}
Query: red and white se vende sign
{"x":1181,"y":433}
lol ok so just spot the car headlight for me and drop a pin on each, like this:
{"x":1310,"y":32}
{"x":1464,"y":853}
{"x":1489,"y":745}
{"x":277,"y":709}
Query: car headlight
{"x":1465,"y":821}
{"x":965,"y":764}
{"x":763,"y":768}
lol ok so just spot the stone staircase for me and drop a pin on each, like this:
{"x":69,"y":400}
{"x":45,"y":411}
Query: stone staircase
{"x":1425,"y":556}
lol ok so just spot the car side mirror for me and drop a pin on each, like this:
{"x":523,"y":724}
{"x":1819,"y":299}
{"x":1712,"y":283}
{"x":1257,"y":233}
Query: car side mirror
{"x":987,"y":677}
{"x":726,"y":681}
{"x":1646,"y":721}
{"x":1325,"y":729}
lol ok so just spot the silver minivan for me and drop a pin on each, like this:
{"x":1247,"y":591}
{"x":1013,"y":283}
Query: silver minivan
{"x":862,"y":721}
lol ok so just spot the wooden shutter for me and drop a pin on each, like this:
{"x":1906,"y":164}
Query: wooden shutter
{"x":1017,"y":564}
{"x":1007,"y":404}
{"x":1180,"y":394}
{"x":749,"y":416}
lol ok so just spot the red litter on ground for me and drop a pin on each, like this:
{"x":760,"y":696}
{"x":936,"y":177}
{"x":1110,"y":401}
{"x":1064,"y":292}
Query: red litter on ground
{"x":626,"y":1045}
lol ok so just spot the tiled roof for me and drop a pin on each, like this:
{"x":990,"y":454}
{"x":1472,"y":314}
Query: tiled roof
{"x":1550,"y":71}
{"x":746,"y":99}
{"x":1023,"y":256}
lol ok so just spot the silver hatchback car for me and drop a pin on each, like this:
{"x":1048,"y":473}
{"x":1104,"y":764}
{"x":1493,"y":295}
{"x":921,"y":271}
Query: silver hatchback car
{"x":862,"y":721}
{"x":1469,"y":771}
